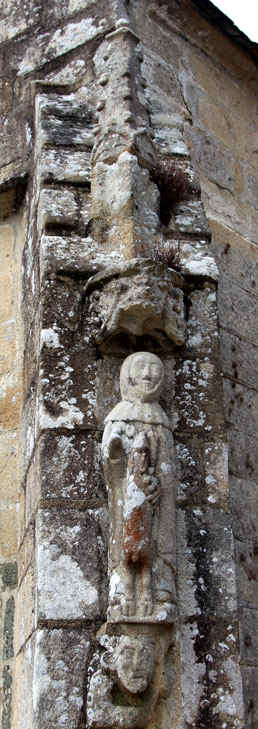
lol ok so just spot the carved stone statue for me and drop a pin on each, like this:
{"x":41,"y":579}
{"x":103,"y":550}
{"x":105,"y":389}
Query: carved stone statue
{"x":123,"y":692}
{"x":138,"y":460}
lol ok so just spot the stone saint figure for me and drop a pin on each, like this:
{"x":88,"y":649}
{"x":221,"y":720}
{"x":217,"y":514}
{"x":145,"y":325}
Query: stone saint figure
{"x":139,"y":468}
{"x":124,"y":692}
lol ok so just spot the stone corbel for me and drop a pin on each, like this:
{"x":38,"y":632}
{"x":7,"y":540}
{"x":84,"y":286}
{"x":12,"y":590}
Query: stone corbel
{"x":137,"y":298}
{"x":129,"y":679}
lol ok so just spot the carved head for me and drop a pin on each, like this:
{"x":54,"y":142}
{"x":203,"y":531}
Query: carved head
{"x":134,"y":661}
{"x":141,"y":377}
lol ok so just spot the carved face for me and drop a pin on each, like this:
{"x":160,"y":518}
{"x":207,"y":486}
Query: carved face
{"x":141,"y":377}
{"x":134,"y":663}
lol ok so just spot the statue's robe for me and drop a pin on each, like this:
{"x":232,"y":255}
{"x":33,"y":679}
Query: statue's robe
{"x":122,"y":425}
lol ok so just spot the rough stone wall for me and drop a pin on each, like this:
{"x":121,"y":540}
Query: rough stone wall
{"x":218,"y":84}
{"x":11,"y":245}
{"x":198,"y":92}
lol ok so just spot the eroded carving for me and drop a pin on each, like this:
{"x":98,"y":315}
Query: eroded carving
{"x":138,"y":460}
{"x":137,"y":298}
{"x":124,"y":690}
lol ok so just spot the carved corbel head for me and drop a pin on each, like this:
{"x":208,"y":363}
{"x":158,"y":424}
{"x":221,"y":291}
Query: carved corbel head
{"x":132,"y":662}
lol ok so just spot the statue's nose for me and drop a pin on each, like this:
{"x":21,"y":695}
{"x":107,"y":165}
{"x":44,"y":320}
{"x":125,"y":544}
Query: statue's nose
{"x":146,"y":372}
{"x":135,"y":661}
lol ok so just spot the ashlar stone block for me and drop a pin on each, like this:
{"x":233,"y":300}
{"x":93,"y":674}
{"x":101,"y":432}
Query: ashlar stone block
{"x":57,"y":207}
{"x":66,"y":470}
{"x":61,"y":658}
{"x":249,"y":636}
{"x":70,"y":567}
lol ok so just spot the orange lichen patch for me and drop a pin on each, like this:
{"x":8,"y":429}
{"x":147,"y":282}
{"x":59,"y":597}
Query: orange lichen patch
{"x":137,"y":535}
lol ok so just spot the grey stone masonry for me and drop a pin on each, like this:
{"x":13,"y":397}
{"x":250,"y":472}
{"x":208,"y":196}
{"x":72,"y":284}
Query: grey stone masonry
{"x":118,"y":261}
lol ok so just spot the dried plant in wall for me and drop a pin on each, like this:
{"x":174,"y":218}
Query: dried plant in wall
{"x":176,"y":182}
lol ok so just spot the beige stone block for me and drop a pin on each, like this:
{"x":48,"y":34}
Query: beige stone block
{"x":25,"y":609}
{"x":6,"y":250}
{"x":9,"y":530}
{"x":21,"y":519}
{"x":239,"y":359}
{"x":7,"y":347}
{"x":236,"y":256}
{"x":216,"y":120}
{"x":32,"y":490}
{"x":215,"y":80}
{"x":26,"y":552}
{"x":8,"y":467}
{"x":6,"y":298}
{"x":22,"y":715}
{"x":224,"y":207}
{"x":9,"y":507}
{"x":10,"y":406}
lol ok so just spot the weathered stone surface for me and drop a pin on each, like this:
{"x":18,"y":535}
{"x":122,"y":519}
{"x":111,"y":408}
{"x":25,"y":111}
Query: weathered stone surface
{"x":232,"y":120}
{"x":64,"y":165}
{"x":249,"y":636}
{"x":243,"y":453}
{"x":7,"y":682}
{"x":198,"y":381}
{"x":239,"y":358}
{"x":29,"y":427}
{"x":250,"y":689}
{"x":241,"y":414}
{"x":9,"y":494}
{"x":61,"y":658}
{"x":207,"y":584}
{"x":66,"y":390}
{"x":71,"y":255}
{"x":50,"y":45}
{"x":71,"y":578}
{"x":222,"y":206}
{"x":25,"y":617}
{"x":136,"y":299}
{"x":8,"y":572}
{"x":190,"y":217}
{"x":8,"y":628}
{"x":202,"y":333}
{"x":247,"y":570}
{"x":58,"y":207}
{"x":197,"y":79}
{"x":17,"y":18}
{"x":26,"y":551}
{"x":10,"y":130}
{"x":132,"y":663}
{"x":237,"y":257}
{"x":125,"y":201}
{"x":213,"y":159}
{"x":211,"y":680}
{"x":244,"y":507}
{"x":22,"y":708}
{"x":66,"y":469}
{"x":240,"y":320}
